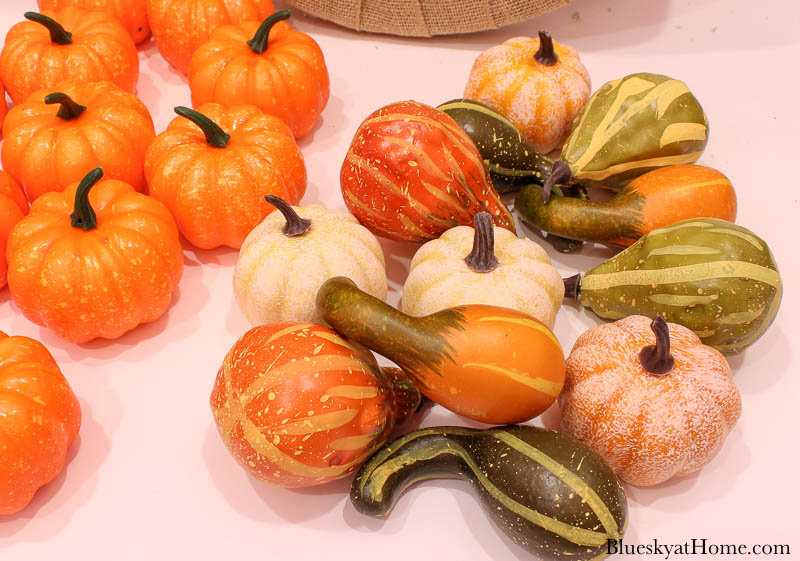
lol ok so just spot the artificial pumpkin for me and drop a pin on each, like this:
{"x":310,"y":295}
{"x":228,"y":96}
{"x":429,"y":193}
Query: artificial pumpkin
{"x":13,"y":206}
{"x":483,"y":265}
{"x":539,"y":84}
{"x":72,"y":43}
{"x":132,"y":14}
{"x":272,"y":66}
{"x":40,"y":418}
{"x":3,"y":106}
{"x":649,"y":397}
{"x":411,"y":173}
{"x":490,"y":364}
{"x":300,"y":248}
{"x":212,"y":168}
{"x":549,"y":493}
{"x":297,"y":405}
{"x":95,"y":260}
{"x":56,"y":136}
{"x":654,"y":200}
{"x":180,"y":26}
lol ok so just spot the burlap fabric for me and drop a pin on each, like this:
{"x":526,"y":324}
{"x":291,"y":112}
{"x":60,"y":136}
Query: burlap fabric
{"x":424,"y":18}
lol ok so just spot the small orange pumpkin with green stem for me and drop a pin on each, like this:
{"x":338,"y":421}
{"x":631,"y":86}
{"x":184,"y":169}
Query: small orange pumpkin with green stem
{"x":95,"y":260}
{"x":272,"y":66}
{"x":212,"y":168}
{"x":73,"y":43}
{"x":132,"y":14}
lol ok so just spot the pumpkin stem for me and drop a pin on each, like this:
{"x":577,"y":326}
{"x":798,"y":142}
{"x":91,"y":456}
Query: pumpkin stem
{"x":215,"y":136}
{"x":546,"y":54}
{"x":83,"y":215}
{"x":656,"y":359}
{"x":572,"y":287}
{"x":560,"y":175}
{"x":295,"y":226}
{"x":482,"y":258}
{"x":258,"y":44}
{"x":69,"y":108}
{"x":58,"y":34}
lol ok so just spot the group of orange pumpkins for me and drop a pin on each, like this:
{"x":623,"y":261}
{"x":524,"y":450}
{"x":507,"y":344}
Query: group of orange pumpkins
{"x":297,"y":402}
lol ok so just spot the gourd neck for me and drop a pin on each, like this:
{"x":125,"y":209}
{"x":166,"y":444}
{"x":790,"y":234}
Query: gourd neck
{"x":482,"y":258}
{"x":656,"y":359}
{"x":572,"y":287}
{"x":58,"y":34}
{"x":83,"y":215}
{"x":546,"y":54}
{"x":215,"y":136}
{"x":560,"y":175}
{"x":258,"y":44}
{"x":68,"y":109}
{"x":295,"y":225}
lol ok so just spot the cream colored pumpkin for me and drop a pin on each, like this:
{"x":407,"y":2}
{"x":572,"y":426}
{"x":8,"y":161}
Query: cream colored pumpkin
{"x":483,"y":265}
{"x":285,"y":259}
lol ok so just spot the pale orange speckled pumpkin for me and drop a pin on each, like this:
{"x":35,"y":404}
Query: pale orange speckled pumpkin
{"x":132,"y":14}
{"x":539,"y":85}
{"x":649,"y":397}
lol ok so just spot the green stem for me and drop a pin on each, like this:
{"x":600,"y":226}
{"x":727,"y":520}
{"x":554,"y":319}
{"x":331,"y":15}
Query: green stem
{"x":258,"y":44}
{"x":482,"y":258}
{"x":58,"y":34}
{"x":83,"y":215}
{"x":656,"y":359}
{"x":295,"y":226}
{"x":69,"y":108}
{"x":546,"y":54}
{"x":215,"y":136}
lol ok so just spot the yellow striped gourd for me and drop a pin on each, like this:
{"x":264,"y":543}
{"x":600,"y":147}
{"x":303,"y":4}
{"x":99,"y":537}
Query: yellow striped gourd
{"x":631,"y":126}
{"x":716,"y":278}
{"x":548,"y":492}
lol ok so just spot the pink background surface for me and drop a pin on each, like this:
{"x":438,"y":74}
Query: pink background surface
{"x":149,"y":477}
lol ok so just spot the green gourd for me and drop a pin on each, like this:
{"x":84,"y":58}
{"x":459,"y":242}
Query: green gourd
{"x":630,"y":126}
{"x":509,"y":158}
{"x":548,"y":492}
{"x":716,"y":278}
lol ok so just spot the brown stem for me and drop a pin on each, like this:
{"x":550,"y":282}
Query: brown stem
{"x":405,"y":394}
{"x":572,"y":287}
{"x":546,"y":54}
{"x":561,"y":174}
{"x":295,"y":226}
{"x":482,"y":258}
{"x":656,"y":359}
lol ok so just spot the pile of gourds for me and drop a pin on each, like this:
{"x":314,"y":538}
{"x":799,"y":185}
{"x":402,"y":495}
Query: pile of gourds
{"x":300,"y":399}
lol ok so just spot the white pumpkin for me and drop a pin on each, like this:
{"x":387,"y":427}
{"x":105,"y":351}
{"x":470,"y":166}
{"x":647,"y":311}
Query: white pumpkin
{"x":285,"y":259}
{"x":483,"y":265}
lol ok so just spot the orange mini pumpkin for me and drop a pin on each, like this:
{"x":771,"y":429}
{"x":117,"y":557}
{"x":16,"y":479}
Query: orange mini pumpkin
{"x":132,"y":14}
{"x":272,"y":66}
{"x":212,"y":168}
{"x":538,"y":84}
{"x":13,"y":206}
{"x":56,"y":136}
{"x":73,"y":43}
{"x":39,"y":420}
{"x":649,"y":397}
{"x":3,"y":106}
{"x":180,"y":26}
{"x":94,"y":260}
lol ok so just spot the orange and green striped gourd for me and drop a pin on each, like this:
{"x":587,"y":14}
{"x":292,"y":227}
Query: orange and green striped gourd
{"x":548,"y":492}
{"x":716,"y":278}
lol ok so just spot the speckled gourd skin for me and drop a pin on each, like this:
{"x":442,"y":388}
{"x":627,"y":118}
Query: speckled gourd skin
{"x":524,"y":280}
{"x":716,"y":278}
{"x":277,"y":277}
{"x":633,"y":125}
{"x":549,"y":493}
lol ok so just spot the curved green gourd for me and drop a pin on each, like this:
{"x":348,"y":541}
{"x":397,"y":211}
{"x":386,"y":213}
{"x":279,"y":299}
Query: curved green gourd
{"x":631,"y":126}
{"x":548,"y":492}
{"x":716,"y":278}
{"x":508,"y":157}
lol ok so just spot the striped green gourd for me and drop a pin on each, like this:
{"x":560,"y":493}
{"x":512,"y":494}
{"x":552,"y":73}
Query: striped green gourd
{"x":631,"y":126}
{"x":716,"y":278}
{"x":548,"y":492}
